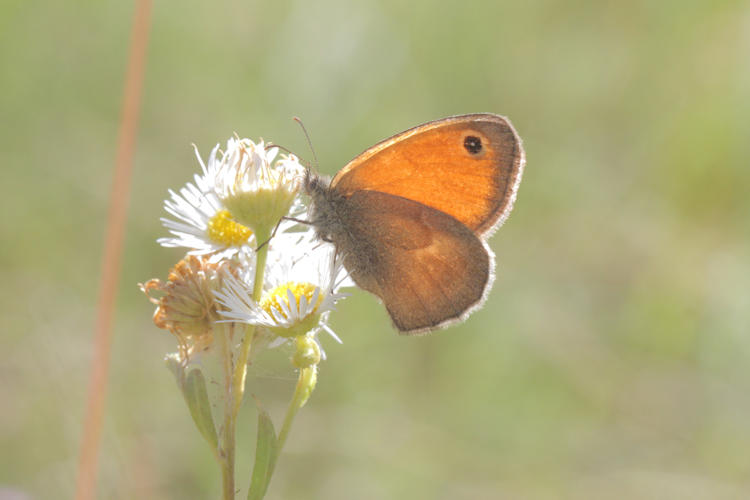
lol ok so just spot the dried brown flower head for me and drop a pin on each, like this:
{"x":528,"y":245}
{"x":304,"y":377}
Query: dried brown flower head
{"x":185,"y":303}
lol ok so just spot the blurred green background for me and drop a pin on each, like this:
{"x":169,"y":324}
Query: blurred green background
{"x":611,"y":360}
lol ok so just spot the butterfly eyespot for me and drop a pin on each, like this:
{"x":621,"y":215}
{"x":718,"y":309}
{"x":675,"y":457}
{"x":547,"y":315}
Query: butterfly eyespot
{"x":473,"y":144}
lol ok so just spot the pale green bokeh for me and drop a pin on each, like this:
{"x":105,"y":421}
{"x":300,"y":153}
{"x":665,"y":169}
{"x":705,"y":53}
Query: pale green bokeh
{"x":611,"y":359}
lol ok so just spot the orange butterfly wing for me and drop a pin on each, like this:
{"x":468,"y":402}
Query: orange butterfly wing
{"x":466,"y":166}
{"x":428,"y":268}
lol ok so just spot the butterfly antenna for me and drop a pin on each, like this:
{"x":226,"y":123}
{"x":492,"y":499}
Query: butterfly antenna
{"x":309,"y":142}
{"x":273,"y":145}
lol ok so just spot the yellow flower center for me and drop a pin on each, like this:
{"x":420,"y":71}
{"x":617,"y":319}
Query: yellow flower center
{"x":274,"y":298}
{"x":223,"y":229}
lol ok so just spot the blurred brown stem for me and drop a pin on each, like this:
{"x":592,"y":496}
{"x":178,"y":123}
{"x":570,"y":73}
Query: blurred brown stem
{"x":120,"y":194}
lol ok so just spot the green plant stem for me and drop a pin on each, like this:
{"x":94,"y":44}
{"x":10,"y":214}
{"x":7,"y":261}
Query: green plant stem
{"x":301,"y":393}
{"x":235,"y":374}
{"x":240,"y":370}
{"x":288,"y":419}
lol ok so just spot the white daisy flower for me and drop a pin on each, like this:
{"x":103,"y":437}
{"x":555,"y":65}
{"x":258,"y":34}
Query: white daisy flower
{"x":257,"y":188}
{"x":300,"y":289}
{"x":203,"y":224}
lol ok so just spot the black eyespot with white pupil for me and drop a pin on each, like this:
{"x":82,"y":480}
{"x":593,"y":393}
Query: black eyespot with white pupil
{"x":473,"y":144}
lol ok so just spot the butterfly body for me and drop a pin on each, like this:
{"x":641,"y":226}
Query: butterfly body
{"x":409,"y":214}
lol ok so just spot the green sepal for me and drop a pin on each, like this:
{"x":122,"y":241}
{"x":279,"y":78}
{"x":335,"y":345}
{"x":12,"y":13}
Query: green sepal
{"x":266,"y":452}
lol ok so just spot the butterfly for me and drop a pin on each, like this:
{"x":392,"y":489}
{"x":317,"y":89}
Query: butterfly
{"x":410,"y":216}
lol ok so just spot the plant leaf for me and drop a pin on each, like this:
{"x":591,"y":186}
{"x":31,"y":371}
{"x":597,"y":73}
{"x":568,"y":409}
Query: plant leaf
{"x":266,"y":451}
{"x":196,"y":397}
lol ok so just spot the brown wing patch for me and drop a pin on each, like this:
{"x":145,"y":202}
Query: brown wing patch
{"x":426,"y":266}
{"x":466,"y":166}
